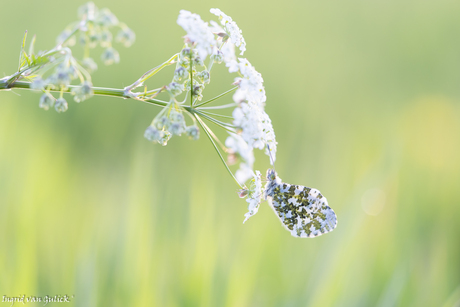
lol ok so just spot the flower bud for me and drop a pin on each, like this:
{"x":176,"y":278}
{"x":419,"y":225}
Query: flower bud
{"x":110,"y":56}
{"x":91,"y":38}
{"x":180,"y":73}
{"x":106,"y":18}
{"x":162,"y":122}
{"x":243,"y":193}
{"x":198,"y":61}
{"x":83,"y":92}
{"x":184,"y":63}
{"x":177,"y":128}
{"x":61,"y":105}
{"x":175,"y":88}
{"x":193,"y":132}
{"x":152,"y":134}
{"x":38,"y":84}
{"x":218,"y":57}
{"x":87,"y":11}
{"x":176,"y":116}
{"x":126,"y":36}
{"x":164,"y":137}
{"x":197,"y":90}
{"x":185,"y":53}
{"x":46,"y":101}
{"x":204,"y":76}
{"x":60,"y":78}
{"x":105,"y":38}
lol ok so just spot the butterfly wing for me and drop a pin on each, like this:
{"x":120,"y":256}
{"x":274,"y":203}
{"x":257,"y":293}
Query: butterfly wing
{"x":303,"y":211}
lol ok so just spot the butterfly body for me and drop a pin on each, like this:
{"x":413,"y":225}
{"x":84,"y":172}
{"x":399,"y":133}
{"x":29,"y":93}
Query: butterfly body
{"x":303,"y":211}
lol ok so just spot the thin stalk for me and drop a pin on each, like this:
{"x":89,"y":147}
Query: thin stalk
{"x":225,"y":106}
{"x":215,"y":138}
{"x":74,"y":31}
{"x":191,"y":79}
{"x":217,"y":149}
{"x":217,"y":115}
{"x":217,"y":97}
{"x":98,"y":91}
{"x":215,"y":120}
{"x":220,"y":126}
{"x":151,"y":72}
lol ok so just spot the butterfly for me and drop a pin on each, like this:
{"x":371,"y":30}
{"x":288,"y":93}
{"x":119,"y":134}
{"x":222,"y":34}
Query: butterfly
{"x":303,"y":211}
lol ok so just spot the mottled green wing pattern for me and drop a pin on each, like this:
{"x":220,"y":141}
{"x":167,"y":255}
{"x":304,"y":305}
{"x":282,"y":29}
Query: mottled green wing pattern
{"x":303,"y":211}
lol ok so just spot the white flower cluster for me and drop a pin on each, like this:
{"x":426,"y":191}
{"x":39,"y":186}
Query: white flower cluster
{"x":198,"y":33}
{"x":254,"y":126}
{"x":250,"y":117}
{"x":231,"y":29}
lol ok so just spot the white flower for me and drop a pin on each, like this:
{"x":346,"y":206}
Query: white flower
{"x":231,"y":28}
{"x":237,"y":145}
{"x":250,"y":117}
{"x":254,"y":196}
{"x":198,"y":32}
{"x":251,"y":86}
{"x":228,"y":50}
{"x":256,"y":127}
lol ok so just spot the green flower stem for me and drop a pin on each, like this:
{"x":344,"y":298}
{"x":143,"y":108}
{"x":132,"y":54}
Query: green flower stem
{"x":217,"y":149}
{"x":151,"y":72}
{"x":214,"y":136}
{"x":221,"y":124}
{"x":216,"y":115}
{"x":99,"y":91}
{"x":217,"y":97}
{"x":225,"y":106}
{"x":191,"y":79}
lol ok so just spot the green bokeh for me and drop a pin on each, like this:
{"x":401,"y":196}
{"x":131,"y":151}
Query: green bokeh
{"x":364,"y":98}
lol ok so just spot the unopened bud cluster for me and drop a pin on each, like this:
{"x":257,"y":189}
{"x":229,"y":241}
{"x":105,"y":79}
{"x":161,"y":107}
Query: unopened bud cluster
{"x":169,"y":122}
{"x":190,"y":74}
{"x":60,"y":80}
{"x":95,"y":29}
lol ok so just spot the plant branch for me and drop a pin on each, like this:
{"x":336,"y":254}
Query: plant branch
{"x":98,"y":91}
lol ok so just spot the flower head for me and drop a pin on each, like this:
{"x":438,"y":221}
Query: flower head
{"x":198,"y":33}
{"x":231,"y":28}
{"x":61,"y":105}
{"x":251,"y":86}
{"x":46,"y":101}
{"x":110,"y":56}
{"x":256,"y":127}
{"x":126,"y":36}
{"x":83,"y":92}
{"x":250,"y":117}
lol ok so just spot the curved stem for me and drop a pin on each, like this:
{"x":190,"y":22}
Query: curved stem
{"x":218,"y":152}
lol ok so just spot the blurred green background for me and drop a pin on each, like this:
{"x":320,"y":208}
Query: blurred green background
{"x":364,"y":98}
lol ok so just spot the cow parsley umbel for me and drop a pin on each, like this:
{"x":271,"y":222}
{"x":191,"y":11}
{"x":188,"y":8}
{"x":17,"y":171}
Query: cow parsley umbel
{"x":184,"y":109}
